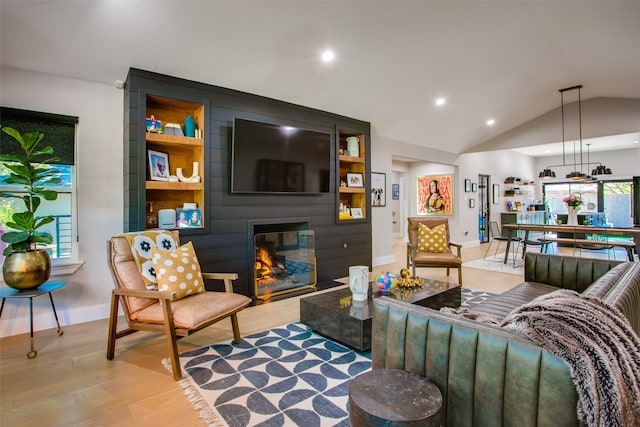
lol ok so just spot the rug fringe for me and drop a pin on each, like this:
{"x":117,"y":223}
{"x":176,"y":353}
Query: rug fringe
{"x":199,"y":403}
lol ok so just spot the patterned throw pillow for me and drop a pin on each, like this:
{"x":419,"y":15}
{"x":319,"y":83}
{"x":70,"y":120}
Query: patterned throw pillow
{"x":178,"y":271}
{"x":432,"y":239}
{"x":142,"y":243}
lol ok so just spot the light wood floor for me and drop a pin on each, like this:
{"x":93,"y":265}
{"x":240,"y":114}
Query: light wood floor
{"x":70,"y":382}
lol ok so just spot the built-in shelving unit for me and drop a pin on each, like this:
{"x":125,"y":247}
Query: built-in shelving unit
{"x":224,"y":242}
{"x":182,"y":152}
{"x":352,"y":178}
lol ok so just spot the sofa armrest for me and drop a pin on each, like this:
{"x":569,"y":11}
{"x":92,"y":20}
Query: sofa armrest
{"x":487,"y":375}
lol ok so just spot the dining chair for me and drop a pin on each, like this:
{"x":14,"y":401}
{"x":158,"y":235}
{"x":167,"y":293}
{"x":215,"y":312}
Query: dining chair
{"x":496,"y":236}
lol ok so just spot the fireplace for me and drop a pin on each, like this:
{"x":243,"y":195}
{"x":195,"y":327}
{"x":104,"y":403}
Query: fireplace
{"x":283,"y":259}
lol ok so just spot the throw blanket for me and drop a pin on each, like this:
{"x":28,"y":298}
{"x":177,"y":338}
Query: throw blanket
{"x":141,"y":244}
{"x":598,"y":344}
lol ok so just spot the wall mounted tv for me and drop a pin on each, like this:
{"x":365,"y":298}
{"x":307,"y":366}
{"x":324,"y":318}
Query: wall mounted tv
{"x":278,"y":159}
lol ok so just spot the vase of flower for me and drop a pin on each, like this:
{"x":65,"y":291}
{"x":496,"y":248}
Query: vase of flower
{"x":574,"y":201}
{"x":573,"y":216}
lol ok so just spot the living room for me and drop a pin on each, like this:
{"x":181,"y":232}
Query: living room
{"x":47,"y":86}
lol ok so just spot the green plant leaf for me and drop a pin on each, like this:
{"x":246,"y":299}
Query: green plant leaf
{"x":42,"y":237}
{"x":46,"y":150}
{"x":48,"y":194}
{"x":44,"y":220}
{"x":13,"y":237}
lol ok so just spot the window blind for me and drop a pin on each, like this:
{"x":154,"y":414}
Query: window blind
{"x":58,"y":130}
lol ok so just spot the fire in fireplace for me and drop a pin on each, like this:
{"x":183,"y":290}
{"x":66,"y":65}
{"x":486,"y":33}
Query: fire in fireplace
{"x":283,"y":262}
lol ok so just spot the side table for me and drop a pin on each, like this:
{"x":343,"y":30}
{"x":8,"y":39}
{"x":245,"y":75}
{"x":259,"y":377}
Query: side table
{"x":393,"y":397}
{"x":45,"y":288}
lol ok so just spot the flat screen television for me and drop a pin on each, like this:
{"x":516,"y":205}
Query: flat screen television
{"x":277,"y":159}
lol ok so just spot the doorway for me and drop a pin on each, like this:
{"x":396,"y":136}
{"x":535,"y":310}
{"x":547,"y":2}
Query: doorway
{"x":483,"y":208}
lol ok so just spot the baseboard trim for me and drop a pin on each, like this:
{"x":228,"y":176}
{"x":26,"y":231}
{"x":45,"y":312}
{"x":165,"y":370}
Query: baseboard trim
{"x":15,"y":320}
{"x":387,"y":259}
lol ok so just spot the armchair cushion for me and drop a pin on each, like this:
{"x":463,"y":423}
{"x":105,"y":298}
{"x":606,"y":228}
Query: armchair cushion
{"x":196,"y":310}
{"x":178,"y":271}
{"x":432,"y":240}
{"x":141,"y":244}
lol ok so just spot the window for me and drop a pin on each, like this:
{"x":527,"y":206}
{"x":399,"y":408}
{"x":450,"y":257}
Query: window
{"x":616,"y":201}
{"x":613,"y":198}
{"x":59,"y":132}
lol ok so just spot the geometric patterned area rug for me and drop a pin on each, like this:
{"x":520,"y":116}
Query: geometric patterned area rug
{"x":286,"y":376}
{"x":496,"y":263}
{"x":471,"y":297}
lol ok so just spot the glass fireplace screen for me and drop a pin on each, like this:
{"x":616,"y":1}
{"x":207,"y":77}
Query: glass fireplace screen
{"x":283,"y":262}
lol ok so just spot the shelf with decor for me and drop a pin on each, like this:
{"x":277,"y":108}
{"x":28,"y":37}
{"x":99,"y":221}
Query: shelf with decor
{"x":352,"y":176}
{"x":177,"y":143}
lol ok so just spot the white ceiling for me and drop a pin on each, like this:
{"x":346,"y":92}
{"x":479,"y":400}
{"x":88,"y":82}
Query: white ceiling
{"x":504,"y":60}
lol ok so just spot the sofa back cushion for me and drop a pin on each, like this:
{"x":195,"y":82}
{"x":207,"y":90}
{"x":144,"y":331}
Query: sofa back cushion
{"x":565,"y":272}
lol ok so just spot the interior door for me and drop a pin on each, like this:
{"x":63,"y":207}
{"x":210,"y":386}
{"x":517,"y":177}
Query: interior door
{"x":483,"y":208}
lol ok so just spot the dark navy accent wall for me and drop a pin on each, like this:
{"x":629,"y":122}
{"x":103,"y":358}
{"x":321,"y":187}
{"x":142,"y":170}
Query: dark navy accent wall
{"x":222,"y":246}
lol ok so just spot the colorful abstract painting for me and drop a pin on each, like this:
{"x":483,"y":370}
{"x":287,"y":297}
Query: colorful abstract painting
{"x":435,"y":195}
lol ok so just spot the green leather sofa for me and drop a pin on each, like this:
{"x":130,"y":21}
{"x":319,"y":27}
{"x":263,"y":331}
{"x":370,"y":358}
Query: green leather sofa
{"x":490,"y":376}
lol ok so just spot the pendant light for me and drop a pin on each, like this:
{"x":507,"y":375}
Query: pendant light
{"x":575,"y":175}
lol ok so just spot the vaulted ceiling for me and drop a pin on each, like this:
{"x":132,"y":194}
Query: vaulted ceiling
{"x":504,"y":60}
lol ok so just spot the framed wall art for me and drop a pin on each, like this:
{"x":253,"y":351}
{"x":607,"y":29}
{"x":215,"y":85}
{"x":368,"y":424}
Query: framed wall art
{"x":496,"y":194}
{"x":395,"y":191}
{"x":467,"y":185}
{"x":472,"y":203}
{"x":435,"y":195}
{"x":356,"y":213}
{"x":158,"y":165}
{"x":354,"y":180}
{"x":474,"y":187}
{"x":378,"y":189}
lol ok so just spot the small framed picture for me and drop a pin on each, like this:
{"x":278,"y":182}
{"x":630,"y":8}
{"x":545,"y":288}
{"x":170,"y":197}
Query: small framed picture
{"x":472,"y":203}
{"x":395,"y":191}
{"x":474,"y":187}
{"x":158,"y":165}
{"x":496,"y":194}
{"x":467,"y":185}
{"x":186,"y":218}
{"x":354,"y":180}
{"x":356,"y":213}
{"x":378,"y":189}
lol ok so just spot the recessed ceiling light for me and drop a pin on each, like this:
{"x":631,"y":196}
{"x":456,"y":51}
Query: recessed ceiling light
{"x":327,"y":56}
{"x":491,"y":122}
{"x":636,"y":141}
{"x":441,"y":101}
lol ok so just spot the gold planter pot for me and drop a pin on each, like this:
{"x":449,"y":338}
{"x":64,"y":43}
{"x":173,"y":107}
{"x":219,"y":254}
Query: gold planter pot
{"x":26,"y":270}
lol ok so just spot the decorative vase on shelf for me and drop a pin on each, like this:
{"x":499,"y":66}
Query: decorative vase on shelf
{"x":353,"y":147}
{"x":573,"y":215}
{"x":190,"y":127}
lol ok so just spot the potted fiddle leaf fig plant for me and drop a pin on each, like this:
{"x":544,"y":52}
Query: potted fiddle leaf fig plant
{"x":26,"y":266}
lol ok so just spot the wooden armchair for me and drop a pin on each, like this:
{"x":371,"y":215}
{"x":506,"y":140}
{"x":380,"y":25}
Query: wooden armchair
{"x":419,"y":258}
{"x":162,"y":312}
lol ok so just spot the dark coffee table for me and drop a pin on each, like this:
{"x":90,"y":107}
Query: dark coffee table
{"x":334,"y":315}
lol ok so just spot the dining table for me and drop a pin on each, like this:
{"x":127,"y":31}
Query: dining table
{"x":576,"y":230}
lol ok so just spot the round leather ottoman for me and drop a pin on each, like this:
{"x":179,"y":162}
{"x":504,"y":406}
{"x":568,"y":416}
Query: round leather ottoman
{"x":393,"y":397}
